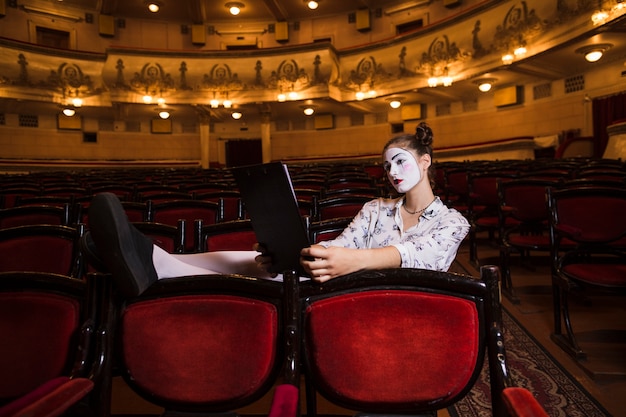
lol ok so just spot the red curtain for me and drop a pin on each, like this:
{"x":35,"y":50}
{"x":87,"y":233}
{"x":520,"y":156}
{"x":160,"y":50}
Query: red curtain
{"x":606,"y":110}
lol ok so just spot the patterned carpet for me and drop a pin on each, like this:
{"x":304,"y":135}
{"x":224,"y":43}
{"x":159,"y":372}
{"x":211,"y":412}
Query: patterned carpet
{"x":532,"y":367}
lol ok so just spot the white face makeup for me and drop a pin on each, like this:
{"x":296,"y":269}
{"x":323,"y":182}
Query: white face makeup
{"x":402,"y":169}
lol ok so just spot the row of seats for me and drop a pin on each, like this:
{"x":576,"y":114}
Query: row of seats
{"x":216,"y":343}
{"x":578,"y":225}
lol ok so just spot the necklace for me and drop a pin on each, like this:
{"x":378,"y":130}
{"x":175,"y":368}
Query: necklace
{"x":416,"y":211}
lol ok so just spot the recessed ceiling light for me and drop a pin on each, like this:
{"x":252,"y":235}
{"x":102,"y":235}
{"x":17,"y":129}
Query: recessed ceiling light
{"x":154,"y":6}
{"x":485,"y":84}
{"x":593,"y":53}
{"x":234,"y":7}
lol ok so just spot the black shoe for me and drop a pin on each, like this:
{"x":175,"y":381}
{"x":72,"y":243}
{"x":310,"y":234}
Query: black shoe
{"x":89,"y":250}
{"x":124,"y":250}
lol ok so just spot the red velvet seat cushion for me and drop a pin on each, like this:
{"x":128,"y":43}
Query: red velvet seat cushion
{"x":521,"y":403}
{"x":202,"y":349}
{"x":37,"y":331}
{"x":609,"y":275}
{"x":383,"y":347}
{"x":285,"y":401}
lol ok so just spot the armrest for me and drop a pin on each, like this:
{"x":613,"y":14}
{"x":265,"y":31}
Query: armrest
{"x":50,"y":399}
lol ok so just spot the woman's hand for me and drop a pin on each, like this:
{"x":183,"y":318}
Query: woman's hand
{"x":323,"y":263}
{"x":264,"y":260}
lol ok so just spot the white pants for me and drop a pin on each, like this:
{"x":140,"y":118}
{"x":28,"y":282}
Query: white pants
{"x":169,"y":265}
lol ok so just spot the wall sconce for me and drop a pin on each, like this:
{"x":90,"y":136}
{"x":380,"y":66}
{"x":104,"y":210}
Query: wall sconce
{"x":308,"y":111}
{"x":600,"y":17}
{"x":164,"y":114}
{"x":362,"y":95}
{"x":507,"y":59}
{"x":445,"y":79}
{"x":226,"y":102}
{"x":311,"y":4}
{"x":234,"y":7}
{"x":236,"y":115}
{"x":485,"y":84}
{"x":593,"y":53}
{"x":282,"y":97}
{"x":69,"y":111}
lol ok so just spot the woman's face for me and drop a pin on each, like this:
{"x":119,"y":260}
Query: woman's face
{"x":402,"y":169}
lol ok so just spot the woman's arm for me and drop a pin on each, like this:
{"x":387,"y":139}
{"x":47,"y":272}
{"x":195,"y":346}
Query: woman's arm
{"x":323,"y":263}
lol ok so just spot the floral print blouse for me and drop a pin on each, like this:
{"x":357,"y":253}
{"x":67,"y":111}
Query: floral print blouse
{"x":430,"y":244}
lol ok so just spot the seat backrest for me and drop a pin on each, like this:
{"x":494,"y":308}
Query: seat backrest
{"x":340,"y":206}
{"x":483,"y":191}
{"x":169,"y":212}
{"x":208,"y":343}
{"x":41,"y":248}
{"x":47,"y":323}
{"x":402,"y":340}
{"x":588,"y":215}
{"x":327,"y":229}
{"x":35,"y":214}
{"x":12,"y":193}
{"x":235,"y":235}
{"x":525,"y":199}
{"x":169,"y":238}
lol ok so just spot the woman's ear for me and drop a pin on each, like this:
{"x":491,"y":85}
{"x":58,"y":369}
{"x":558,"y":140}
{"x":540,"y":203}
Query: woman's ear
{"x":426,"y":160}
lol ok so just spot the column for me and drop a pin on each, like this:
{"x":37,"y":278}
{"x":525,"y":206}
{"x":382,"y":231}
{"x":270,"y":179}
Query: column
{"x":266,"y":142}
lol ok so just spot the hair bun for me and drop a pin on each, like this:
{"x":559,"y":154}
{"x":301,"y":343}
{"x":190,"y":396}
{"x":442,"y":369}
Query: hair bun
{"x":424,"y":134}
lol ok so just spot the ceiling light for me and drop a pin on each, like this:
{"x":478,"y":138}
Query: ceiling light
{"x":77,"y":102}
{"x":164,"y":114}
{"x":360,"y":95}
{"x":69,"y":112}
{"x":485,"y":84}
{"x":593,"y":53}
{"x":234,"y":7}
{"x":282,"y":97}
{"x":153,"y":6}
{"x":236,"y":115}
{"x":395,"y":102}
{"x":147,"y":99}
{"x":312,"y":4}
{"x":227,"y":104}
{"x":433,"y":81}
{"x":215,"y":103}
{"x":484,"y":87}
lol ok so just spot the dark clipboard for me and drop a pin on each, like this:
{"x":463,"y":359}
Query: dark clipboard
{"x":268,"y":197}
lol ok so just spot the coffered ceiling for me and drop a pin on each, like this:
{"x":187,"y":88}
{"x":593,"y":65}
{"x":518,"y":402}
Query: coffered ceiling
{"x":559,"y":59}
